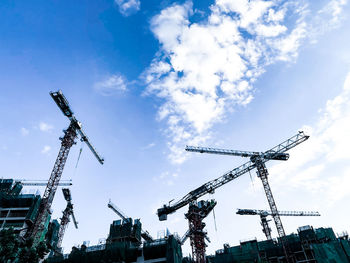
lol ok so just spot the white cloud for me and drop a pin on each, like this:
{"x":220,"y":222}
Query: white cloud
{"x":111,"y":85}
{"x":320,"y":165}
{"x":149,"y":146}
{"x":328,"y":18}
{"x":45,"y":127}
{"x":46,"y":149}
{"x":334,"y":10}
{"x":207,"y":68}
{"x":166,"y":178}
{"x":24,"y":131}
{"x":128,"y":7}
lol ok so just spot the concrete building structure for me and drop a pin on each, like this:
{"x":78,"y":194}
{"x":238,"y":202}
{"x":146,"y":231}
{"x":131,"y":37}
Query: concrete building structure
{"x":17,"y":210}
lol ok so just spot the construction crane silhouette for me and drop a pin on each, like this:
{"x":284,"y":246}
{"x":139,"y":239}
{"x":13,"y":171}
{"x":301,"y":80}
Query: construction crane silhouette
{"x":144,"y":234}
{"x":257,"y":160}
{"x":75,"y":128}
{"x":67,"y":213}
{"x":197,"y":211}
{"x":265,"y":213}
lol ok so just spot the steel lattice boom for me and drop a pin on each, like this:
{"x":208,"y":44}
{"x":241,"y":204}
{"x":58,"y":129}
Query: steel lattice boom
{"x":67,"y":142}
{"x":265,"y":213}
{"x":281,"y":213}
{"x":267,"y":155}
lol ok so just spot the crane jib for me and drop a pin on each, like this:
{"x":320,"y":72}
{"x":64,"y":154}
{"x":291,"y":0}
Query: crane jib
{"x":281,"y":213}
{"x":64,"y":106}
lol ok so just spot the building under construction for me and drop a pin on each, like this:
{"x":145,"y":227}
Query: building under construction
{"x":17,"y":210}
{"x":308,"y":245}
{"x":124,"y":244}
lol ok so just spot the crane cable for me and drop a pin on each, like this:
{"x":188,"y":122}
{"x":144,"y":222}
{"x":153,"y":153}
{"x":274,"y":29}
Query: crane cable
{"x":81,"y":149}
{"x":216,"y":229}
{"x":251,"y":179}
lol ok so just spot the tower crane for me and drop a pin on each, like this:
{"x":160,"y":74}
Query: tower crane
{"x":67,"y":212}
{"x":257,"y":160}
{"x":74,"y":129}
{"x":264,"y":213}
{"x":197,"y":211}
{"x":144,"y":233}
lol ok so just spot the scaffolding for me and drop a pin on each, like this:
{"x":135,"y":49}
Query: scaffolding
{"x":308,"y":246}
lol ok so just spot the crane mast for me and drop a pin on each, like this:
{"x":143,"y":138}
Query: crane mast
{"x":67,"y":212}
{"x":262,"y":174}
{"x":197,"y":211}
{"x":67,"y":142}
{"x":264,"y":213}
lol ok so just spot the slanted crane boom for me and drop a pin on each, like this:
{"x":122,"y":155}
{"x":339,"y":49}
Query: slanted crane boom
{"x":144,"y":233}
{"x":63,"y":104}
{"x":75,"y":128}
{"x":116,"y":210}
{"x":207,"y":188}
{"x":185,"y":237}
{"x":74,"y":220}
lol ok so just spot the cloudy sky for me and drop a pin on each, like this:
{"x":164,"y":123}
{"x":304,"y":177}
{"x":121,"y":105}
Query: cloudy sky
{"x":148,"y":77}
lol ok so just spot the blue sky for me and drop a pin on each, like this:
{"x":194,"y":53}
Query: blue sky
{"x":148,"y":77}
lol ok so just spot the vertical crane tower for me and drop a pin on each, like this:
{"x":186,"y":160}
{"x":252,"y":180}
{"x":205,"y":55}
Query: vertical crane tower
{"x":264,"y":213}
{"x":197,"y":211}
{"x":74,"y":129}
{"x":67,"y":213}
{"x":257,"y":160}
